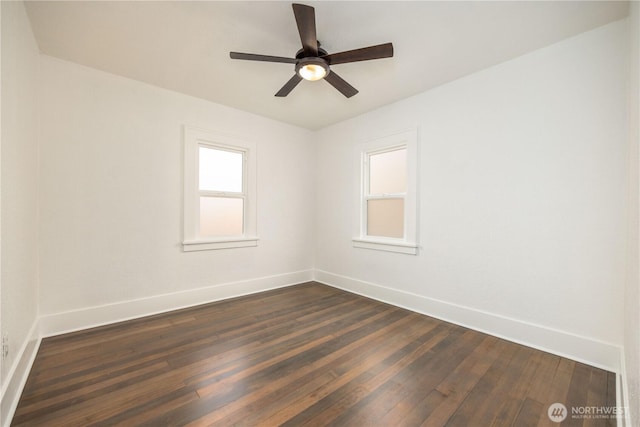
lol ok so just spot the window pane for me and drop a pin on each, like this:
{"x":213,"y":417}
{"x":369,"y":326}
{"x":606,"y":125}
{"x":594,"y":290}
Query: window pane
{"x":385,"y":218}
{"x":221,"y":216}
{"x":220,"y":170}
{"x":388,"y":172}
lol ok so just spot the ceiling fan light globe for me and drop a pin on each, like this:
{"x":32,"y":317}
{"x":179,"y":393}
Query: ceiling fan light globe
{"x":312,"y":72}
{"x":312,"y":69}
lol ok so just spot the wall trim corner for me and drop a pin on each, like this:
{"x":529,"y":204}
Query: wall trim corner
{"x":17,"y":377}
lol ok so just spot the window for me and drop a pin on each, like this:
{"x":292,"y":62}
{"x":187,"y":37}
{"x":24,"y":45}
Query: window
{"x":221,"y":191}
{"x":219,"y":209}
{"x":387,"y":210}
{"x":386,"y":187}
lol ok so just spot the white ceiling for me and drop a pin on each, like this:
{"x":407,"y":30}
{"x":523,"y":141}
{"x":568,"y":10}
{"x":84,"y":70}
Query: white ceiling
{"x":184,"y":46}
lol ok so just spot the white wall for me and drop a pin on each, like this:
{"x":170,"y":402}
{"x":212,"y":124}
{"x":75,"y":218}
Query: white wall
{"x":19,"y":194}
{"x":111,"y":199}
{"x":632,"y":290}
{"x":522,"y":199}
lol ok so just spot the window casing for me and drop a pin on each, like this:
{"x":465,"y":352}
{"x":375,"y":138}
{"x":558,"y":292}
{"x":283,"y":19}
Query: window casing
{"x":387,"y":209}
{"x":219,"y":193}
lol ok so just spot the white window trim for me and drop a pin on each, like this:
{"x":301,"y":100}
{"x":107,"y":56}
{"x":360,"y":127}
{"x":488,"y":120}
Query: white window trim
{"x":193,"y":139}
{"x":408,"y":244}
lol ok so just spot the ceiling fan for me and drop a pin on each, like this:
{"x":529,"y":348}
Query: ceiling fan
{"x":314,"y":63}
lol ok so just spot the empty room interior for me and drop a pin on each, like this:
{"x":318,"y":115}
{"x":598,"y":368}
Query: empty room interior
{"x":367,"y":213}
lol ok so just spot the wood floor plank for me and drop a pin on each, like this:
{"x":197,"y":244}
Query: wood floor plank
{"x":377,"y":354}
{"x":597,"y":393}
{"x":545,"y":374}
{"x":224,"y":359}
{"x":377,"y":403}
{"x":340,"y":402}
{"x":509,"y":409}
{"x":301,"y":355}
{"x":578,"y":393}
{"x":220,"y":391}
{"x":59,"y":401}
{"x":348,"y":365}
{"x":444,"y":399}
{"x":512,"y":405}
{"x":142,"y":414}
{"x":477,"y":407}
{"x":530,"y":413}
{"x":303,"y":368}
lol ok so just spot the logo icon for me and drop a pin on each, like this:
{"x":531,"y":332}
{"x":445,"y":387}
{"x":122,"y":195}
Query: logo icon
{"x":557,"y":412}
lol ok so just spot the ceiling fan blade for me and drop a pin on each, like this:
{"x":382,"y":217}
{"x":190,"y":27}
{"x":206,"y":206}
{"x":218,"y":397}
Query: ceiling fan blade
{"x":265,"y":58}
{"x":339,"y":83}
{"x":306,"y":21}
{"x":288,"y":86}
{"x":363,"y":54}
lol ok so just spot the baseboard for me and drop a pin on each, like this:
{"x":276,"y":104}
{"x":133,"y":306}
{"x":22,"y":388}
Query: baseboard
{"x":579,"y":348}
{"x":17,"y":376}
{"x":622,"y":394}
{"x":70,"y":321}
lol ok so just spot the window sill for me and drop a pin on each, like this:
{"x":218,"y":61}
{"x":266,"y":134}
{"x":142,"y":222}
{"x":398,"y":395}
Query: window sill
{"x":230,"y":243}
{"x":388,"y":246}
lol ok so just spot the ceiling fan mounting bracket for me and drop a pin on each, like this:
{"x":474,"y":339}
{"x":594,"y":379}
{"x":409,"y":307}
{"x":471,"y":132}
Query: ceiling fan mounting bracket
{"x":321,"y":52}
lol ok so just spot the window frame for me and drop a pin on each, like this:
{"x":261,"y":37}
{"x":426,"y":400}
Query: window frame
{"x":408,"y":244}
{"x":195,"y":138}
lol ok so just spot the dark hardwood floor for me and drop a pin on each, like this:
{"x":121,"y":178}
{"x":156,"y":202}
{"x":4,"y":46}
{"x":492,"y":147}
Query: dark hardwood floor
{"x":302,"y":355}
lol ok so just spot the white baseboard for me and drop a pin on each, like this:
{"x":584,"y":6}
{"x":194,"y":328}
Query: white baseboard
{"x":17,"y":376}
{"x":59,"y":323}
{"x":579,"y":348}
{"x":622,"y":393}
